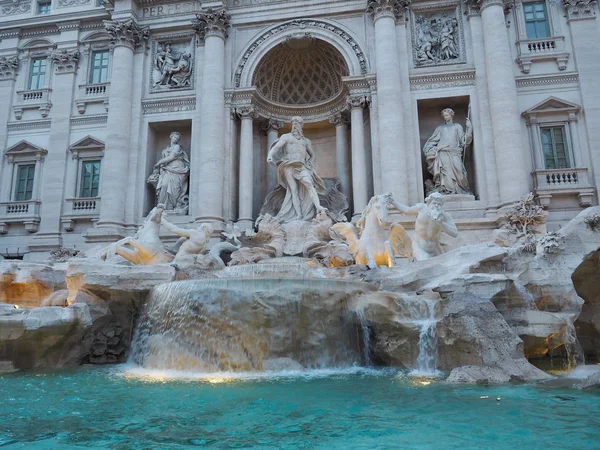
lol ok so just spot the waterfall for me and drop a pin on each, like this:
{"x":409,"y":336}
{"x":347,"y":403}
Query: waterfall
{"x":428,"y":340}
{"x":365,"y":336}
{"x":575,"y":356}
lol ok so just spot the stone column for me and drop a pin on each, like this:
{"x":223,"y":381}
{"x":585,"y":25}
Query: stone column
{"x":360,"y":191}
{"x":9,"y":66}
{"x":211,"y":27}
{"x":126,"y":37}
{"x":246,"y":182}
{"x":49,"y":234}
{"x":392,"y":149}
{"x":272,"y":128}
{"x":581,"y":16}
{"x":195,"y":194}
{"x":342,"y":162}
{"x":505,"y":115}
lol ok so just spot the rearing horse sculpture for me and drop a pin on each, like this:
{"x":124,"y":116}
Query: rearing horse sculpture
{"x":375,"y":240}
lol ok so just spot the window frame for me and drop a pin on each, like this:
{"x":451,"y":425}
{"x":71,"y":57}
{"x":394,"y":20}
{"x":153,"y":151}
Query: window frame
{"x":92,"y":66}
{"x":566,"y":143}
{"x":80,"y":175}
{"x":16,"y":179}
{"x":32,"y":67}
{"x":546,"y":21}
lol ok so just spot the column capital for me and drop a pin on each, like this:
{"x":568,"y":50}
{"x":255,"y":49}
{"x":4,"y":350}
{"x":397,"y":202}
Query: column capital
{"x":8,"y":67}
{"x":246,"y":112}
{"x":65,"y":60}
{"x":580,"y":9}
{"x":476,"y":6}
{"x":360,"y":101}
{"x":272,"y":125}
{"x":126,"y":33}
{"x":212,"y":23}
{"x":387,"y":8}
{"x":338,"y":120}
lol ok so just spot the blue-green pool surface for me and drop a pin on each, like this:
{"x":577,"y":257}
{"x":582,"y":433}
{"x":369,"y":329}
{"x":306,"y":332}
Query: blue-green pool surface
{"x":121,"y":408}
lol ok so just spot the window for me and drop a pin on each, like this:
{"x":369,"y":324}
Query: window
{"x":554,"y":144}
{"x":44,"y":7}
{"x":536,"y":20}
{"x":99,"y":69}
{"x":24,"y":186}
{"x":90,"y":179}
{"x":37,"y":75}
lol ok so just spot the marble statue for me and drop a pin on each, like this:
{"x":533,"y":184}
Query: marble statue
{"x":431,"y":221}
{"x":175,"y":68}
{"x":436,"y":38}
{"x":171,"y":175}
{"x":192,"y":241}
{"x":444,"y":153}
{"x":145,"y":247}
{"x":375,"y":240}
{"x":294,"y":158}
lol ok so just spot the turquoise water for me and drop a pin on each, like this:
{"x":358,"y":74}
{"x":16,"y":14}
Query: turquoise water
{"x":93,"y":408}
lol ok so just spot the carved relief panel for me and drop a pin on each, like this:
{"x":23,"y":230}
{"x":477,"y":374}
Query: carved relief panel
{"x":437,"y":35}
{"x":172,"y":65}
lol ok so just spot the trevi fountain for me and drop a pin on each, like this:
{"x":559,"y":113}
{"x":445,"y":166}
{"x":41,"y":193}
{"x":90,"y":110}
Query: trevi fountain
{"x":306,"y":330}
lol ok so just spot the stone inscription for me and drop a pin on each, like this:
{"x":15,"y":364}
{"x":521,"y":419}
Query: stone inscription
{"x":170,"y":10}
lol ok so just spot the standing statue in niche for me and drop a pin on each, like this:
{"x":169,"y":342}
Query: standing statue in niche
{"x":444,"y":153}
{"x":171,"y":175}
{"x":431,"y":221}
{"x":294,"y":158}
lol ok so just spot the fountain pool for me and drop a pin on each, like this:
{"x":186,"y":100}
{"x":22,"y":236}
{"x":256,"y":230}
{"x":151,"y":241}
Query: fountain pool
{"x":127,"y":408}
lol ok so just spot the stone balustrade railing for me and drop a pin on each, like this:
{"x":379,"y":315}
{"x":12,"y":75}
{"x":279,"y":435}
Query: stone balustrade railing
{"x":26,"y":212}
{"x":531,"y":50}
{"x":92,"y":93}
{"x":574,"y":181}
{"x":33,"y":99}
{"x":80,"y":209}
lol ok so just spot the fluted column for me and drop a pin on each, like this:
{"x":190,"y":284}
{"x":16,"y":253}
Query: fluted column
{"x":9,"y":66}
{"x":246,"y":182}
{"x":211,"y":27}
{"x":360,"y":191}
{"x":342,"y":162}
{"x":393,"y":152}
{"x":582,"y":19}
{"x":272,"y":128}
{"x":126,"y":37}
{"x":504,"y":110}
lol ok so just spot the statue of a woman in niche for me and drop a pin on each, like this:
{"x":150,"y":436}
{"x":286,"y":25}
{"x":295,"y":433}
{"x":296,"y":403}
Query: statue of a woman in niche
{"x":171,"y":175}
{"x":444,"y":152}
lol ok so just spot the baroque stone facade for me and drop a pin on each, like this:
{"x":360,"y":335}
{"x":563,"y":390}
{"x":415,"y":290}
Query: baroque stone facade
{"x":92,"y":94}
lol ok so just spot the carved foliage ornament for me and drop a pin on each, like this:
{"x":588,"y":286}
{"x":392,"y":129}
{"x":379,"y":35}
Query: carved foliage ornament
{"x":475,"y":6}
{"x":8,"y":66}
{"x":380,"y":8}
{"x":211,"y":23}
{"x":358,"y":101}
{"x":65,"y":60}
{"x":126,"y":32}
{"x":580,"y":9}
{"x":65,"y":3}
{"x":16,"y":7}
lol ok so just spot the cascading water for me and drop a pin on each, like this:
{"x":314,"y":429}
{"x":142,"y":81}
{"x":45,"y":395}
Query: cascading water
{"x":575,"y":355}
{"x":428,"y":340}
{"x":248,"y":318}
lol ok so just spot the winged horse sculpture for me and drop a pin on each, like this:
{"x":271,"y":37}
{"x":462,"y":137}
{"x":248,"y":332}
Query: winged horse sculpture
{"x":375,"y":240}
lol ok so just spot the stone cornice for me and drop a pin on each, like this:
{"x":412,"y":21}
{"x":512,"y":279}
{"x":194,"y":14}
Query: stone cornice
{"x":89,"y":120}
{"x":179,"y":104}
{"x":8,"y":67}
{"x":580,"y":9}
{"x":126,"y":33}
{"x":545,"y":80}
{"x":387,"y":8}
{"x":65,"y":60}
{"x":212,"y":23}
{"x":29,"y":125}
{"x":442,"y":80}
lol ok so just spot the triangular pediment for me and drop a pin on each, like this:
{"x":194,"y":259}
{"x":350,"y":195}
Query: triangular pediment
{"x":87,"y":143}
{"x":553,"y":105}
{"x":24,"y":148}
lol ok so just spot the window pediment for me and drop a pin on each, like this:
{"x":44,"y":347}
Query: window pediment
{"x":88,"y":146}
{"x":552,"y":105}
{"x":25,"y":150}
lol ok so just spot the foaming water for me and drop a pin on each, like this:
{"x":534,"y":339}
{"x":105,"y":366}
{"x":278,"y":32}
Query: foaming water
{"x":428,"y":340}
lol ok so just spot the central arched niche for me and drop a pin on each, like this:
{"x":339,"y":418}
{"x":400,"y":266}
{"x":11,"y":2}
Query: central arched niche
{"x":300,"y":71}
